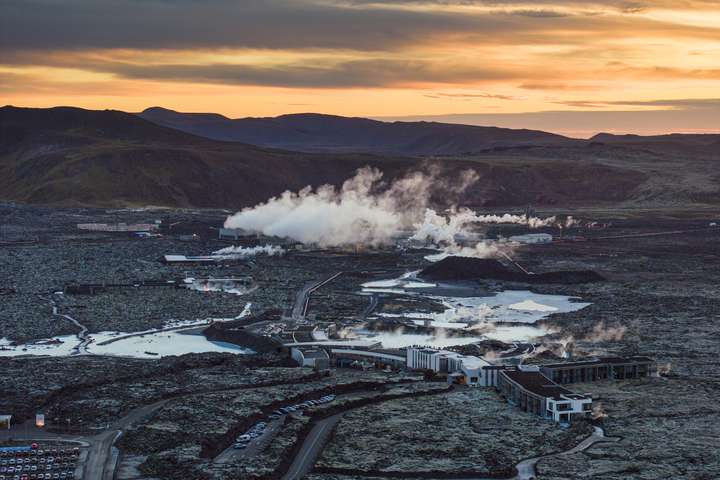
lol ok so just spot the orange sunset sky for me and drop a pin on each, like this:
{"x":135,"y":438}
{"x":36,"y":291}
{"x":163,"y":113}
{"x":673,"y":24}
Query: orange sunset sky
{"x":567,"y":66}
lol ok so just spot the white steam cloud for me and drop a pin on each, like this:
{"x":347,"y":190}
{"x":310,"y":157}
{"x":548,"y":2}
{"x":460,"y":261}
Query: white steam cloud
{"x":243,"y":252}
{"x":439,"y":229}
{"x":365,"y":210}
{"x":443,"y":231}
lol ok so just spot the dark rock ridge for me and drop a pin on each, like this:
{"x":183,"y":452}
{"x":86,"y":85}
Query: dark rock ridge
{"x":235,"y":333}
{"x":467,"y":268}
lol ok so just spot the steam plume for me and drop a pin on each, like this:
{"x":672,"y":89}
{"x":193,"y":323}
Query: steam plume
{"x":368,"y":211}
{"x":363,"y":211}
{"x":242,"y":252}
{"x":442,"y":231}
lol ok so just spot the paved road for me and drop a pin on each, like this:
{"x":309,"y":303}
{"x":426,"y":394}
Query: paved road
{"x":100,"y":463}
{"x":303,"y":296}
{"x":311,"y":448}
{"x":371,"y":306}
{"x":526,"y":468}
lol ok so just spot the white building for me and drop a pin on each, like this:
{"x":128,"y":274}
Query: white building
{"x":470,"y":370}
{"x":533,"y":392}
{"x":532,"y":238}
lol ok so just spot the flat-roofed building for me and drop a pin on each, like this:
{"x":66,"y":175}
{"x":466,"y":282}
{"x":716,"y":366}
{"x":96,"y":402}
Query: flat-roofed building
{"x":231,"y":233}
{"x":119,"y":227}
{"x":465,"y":369}
{"x":184,"y":260}
{"x":380,"y":358}
{"x":603,"y":368}
{"x":533,"y":392}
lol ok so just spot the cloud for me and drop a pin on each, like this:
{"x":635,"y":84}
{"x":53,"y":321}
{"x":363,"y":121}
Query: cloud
{"x":187,"y":24}
{"x":470,"y":96}
{"x":303,"y":72}
{"x":679,"y":104}
{"x":305,"y":24}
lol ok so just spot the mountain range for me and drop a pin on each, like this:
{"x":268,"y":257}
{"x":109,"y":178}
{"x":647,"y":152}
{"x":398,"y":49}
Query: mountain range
{"x":71,"y":156}
{"x":311,"y":132}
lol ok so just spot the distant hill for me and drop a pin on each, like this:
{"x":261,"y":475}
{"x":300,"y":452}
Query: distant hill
{"x":71,"y":156}
{"x":707,"y":145}
{"x":310,"y":132}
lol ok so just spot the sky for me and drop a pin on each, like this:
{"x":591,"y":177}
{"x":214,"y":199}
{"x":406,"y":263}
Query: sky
{"x":567,"y":66}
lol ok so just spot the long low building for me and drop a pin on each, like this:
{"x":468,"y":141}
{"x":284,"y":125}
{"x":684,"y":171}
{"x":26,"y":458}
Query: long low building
{"x":533,"y":392}
{"x":380,"y":358}
{"x":185,"y":260}
{"x":603,"y":368}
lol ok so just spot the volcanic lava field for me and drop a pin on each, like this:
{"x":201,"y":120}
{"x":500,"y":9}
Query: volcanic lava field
{"x":657,"y":297}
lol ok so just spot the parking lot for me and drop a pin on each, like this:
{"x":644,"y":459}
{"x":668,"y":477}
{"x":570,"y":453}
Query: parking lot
{"x":39,"y":462}
{"x":259,"y":436}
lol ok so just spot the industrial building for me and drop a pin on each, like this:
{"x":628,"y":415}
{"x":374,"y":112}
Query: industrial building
{"x":533,"y":392}
{"x":532,"y":238}
{"x":231,"y":233}
{"x":119,"y":227}
{"x":183,"y":260}
{"x":603,"y":368}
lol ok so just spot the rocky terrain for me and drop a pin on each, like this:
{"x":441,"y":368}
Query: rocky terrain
{"x":72,"y":388}
{"x":659,"y":298}
{"x":184,"y":436}
{"x":470,"y":430}
{"x":669,"y":429}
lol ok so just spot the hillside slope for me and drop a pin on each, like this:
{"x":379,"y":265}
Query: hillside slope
{"x":317,"y":133}
{"x":71,"y":156}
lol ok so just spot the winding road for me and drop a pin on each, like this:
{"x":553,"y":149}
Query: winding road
{"x":527,"y":469}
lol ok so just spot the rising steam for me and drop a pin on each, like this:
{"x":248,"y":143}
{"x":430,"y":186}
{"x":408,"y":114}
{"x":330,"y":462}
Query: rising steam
{"x":365,"y":210}
{"x":443,"y":231}
{"x":368,"y":211}
{"x":243,"y":252}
